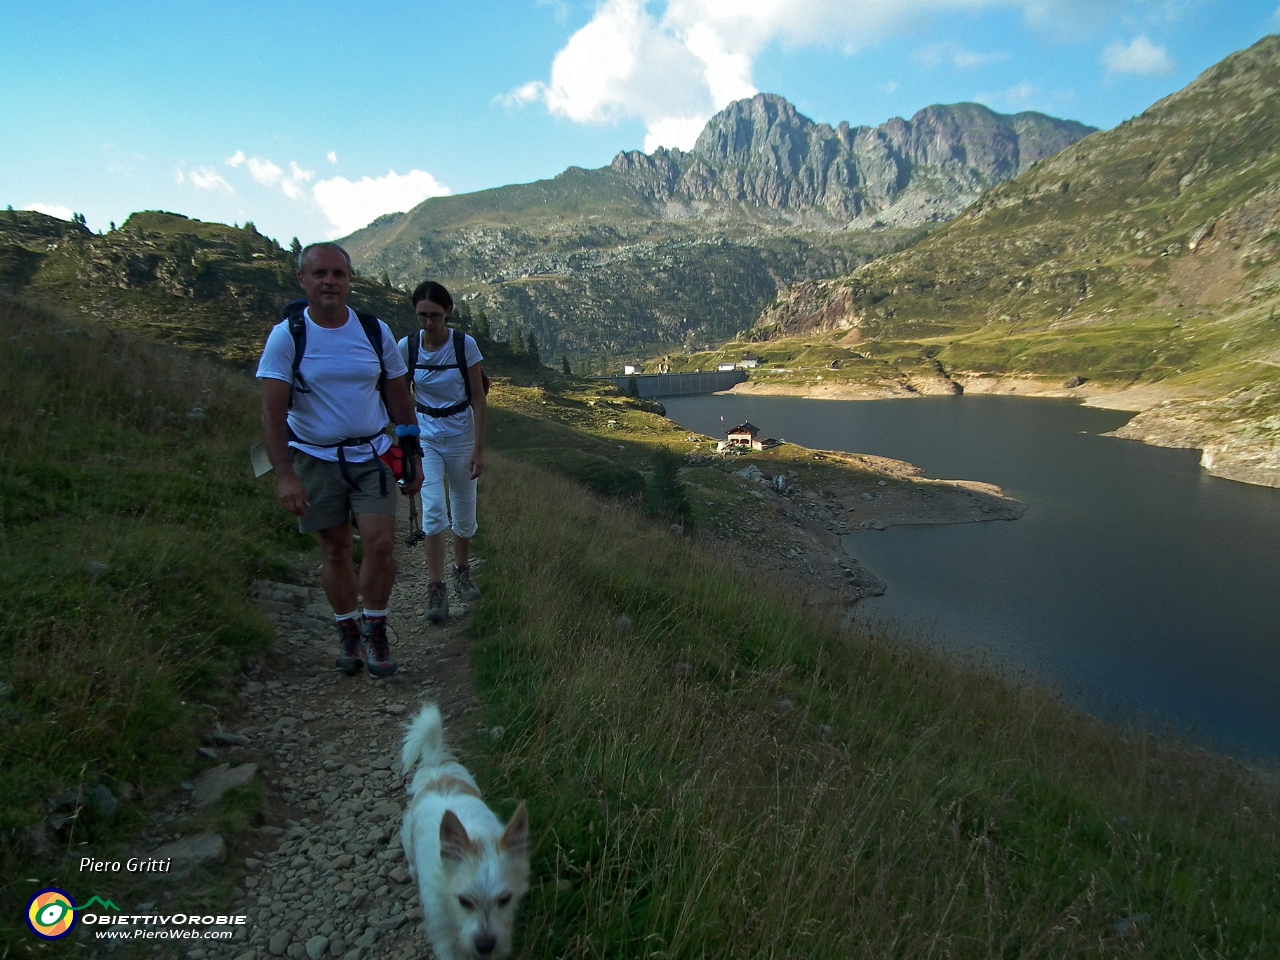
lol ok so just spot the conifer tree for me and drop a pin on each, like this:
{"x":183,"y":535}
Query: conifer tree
{"x":531,"y":347}
{"x":295,"y":247}
{"x":633,"y":386}
{"x":386,"y":280}
{"x":482,"y":323}
{"x":464,"y":316}
{"x":517,"y":342}
{"x":564,"y":365}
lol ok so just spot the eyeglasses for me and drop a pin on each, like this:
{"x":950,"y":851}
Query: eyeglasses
{"x":441,"y":315}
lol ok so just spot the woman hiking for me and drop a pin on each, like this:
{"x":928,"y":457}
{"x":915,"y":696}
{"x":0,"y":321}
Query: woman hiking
{"x":448,"y":391}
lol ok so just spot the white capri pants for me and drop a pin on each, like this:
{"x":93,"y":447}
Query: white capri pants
{"x":448,"y":458}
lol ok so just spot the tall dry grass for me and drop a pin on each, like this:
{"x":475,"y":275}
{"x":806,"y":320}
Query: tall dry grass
{"x":731,"y":777}
{"x":130,"y":525}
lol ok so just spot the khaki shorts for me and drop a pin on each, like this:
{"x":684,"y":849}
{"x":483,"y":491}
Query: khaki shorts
{"x":332,"y":500}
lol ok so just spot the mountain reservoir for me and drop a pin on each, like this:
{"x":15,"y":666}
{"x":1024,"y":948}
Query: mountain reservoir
{"x":1135,"y":583}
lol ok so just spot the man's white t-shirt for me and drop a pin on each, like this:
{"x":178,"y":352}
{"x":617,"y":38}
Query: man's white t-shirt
{"x":341,"y":372}
{"x":441,"y":388}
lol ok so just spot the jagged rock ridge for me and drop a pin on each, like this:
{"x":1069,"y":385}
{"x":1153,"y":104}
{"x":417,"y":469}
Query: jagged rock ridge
{"x":678,"y":249}
{"x":763,"y":153}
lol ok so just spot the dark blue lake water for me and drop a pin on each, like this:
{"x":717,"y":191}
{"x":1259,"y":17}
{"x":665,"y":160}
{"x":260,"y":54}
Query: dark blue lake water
{"x":1136,"y":584}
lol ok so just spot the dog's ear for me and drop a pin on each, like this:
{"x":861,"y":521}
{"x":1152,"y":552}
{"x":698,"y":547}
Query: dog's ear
{"x":516,"y":836}
{"x":455,"y":845}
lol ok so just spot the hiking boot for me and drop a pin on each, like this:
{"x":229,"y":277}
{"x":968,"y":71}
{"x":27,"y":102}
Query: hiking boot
{"x":350,"y":657}
{"x":463,"y":583}
{"x":438,"y":603}
{"x":377,"y":649}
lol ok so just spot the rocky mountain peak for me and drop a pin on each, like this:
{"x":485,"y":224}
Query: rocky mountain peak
{"x":762,"y":153}
{"x":747,"y":131}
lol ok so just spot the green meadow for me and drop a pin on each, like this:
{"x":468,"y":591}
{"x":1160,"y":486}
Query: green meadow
{"x":713,"y":766}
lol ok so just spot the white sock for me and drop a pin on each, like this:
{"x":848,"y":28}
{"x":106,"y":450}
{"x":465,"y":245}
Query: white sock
{"x":375,"y":613}
{"x":353,"y":615}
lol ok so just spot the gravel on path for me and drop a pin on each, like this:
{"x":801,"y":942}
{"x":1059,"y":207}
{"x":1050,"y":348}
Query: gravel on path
{"x":326,"y":876}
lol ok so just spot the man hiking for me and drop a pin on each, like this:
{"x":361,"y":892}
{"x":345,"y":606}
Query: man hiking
{"x":324,"y":409}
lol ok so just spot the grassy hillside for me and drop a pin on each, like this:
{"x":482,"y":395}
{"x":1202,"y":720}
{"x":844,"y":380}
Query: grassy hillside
{"x":203,"y":285}
{"x":1142,"y":255}
{"x":130,"y":528}
{"x":726,"y":775}
{"x":721,"y":774}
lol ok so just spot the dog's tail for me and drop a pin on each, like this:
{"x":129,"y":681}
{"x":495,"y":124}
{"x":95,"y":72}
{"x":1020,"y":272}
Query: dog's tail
{"x":424,"y":740}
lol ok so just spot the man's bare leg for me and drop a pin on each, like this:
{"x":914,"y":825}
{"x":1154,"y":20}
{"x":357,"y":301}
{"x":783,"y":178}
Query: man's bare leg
{"x":338,"y":575}
{"x":378,"y":567}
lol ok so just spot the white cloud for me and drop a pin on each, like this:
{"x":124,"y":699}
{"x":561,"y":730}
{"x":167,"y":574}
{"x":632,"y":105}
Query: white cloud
{"x":292,"y":187}
{"x":673,"y":65}
{"x":204,"y":178}
{"x":51,"y":209}
{"x":1141,"y":57}
{"x":673,"y":132}
{"x":269,"y":174}
{"x":264,"y":171}
{"x":349,"y":206}
{"x":937,"y":54}
{"x":559,"y":9}
{"x":1275,"y":17}
{"x":890,"y":87}
{"x":1023,"y":96}
{"x":530,"y":92}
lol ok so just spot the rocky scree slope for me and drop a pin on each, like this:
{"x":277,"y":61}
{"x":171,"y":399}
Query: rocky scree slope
{"x":675,"y":250}
{"x":1144,"y":256}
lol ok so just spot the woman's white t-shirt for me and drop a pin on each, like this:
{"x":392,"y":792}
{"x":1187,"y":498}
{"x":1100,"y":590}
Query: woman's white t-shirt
{"x":341,"y":374}
{"x":441,"y":388}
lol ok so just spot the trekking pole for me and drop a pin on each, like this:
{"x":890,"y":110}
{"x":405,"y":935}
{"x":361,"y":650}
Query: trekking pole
{"x":410,"y":447}
{"x":415,"y":534}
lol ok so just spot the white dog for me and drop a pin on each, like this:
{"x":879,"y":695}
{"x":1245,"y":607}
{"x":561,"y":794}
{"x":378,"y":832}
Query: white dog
{"x":471,"y":871}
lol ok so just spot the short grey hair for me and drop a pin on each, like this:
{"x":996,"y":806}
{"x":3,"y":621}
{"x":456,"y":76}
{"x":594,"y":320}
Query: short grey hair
{"x":329,"y":244}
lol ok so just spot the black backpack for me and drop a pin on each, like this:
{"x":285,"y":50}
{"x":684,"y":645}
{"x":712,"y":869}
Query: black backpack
{"x":459,"y":364}
{"x":298,"y":330}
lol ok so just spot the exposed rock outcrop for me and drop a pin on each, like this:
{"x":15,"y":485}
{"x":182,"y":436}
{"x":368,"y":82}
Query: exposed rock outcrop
{"x":763,"y":153}
{"x":1238,"y":436}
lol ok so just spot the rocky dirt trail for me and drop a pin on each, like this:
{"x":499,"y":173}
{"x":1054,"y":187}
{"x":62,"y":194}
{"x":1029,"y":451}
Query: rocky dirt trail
{"x":326,"y":876}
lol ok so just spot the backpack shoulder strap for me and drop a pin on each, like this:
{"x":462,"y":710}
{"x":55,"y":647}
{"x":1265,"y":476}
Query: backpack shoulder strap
{"x":298,"y":331}
{"x":373,"y":330}
{"x":413,"y":342}
{"x":460,"y":355}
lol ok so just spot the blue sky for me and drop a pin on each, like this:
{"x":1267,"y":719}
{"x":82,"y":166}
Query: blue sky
{"x":310,"y":119}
